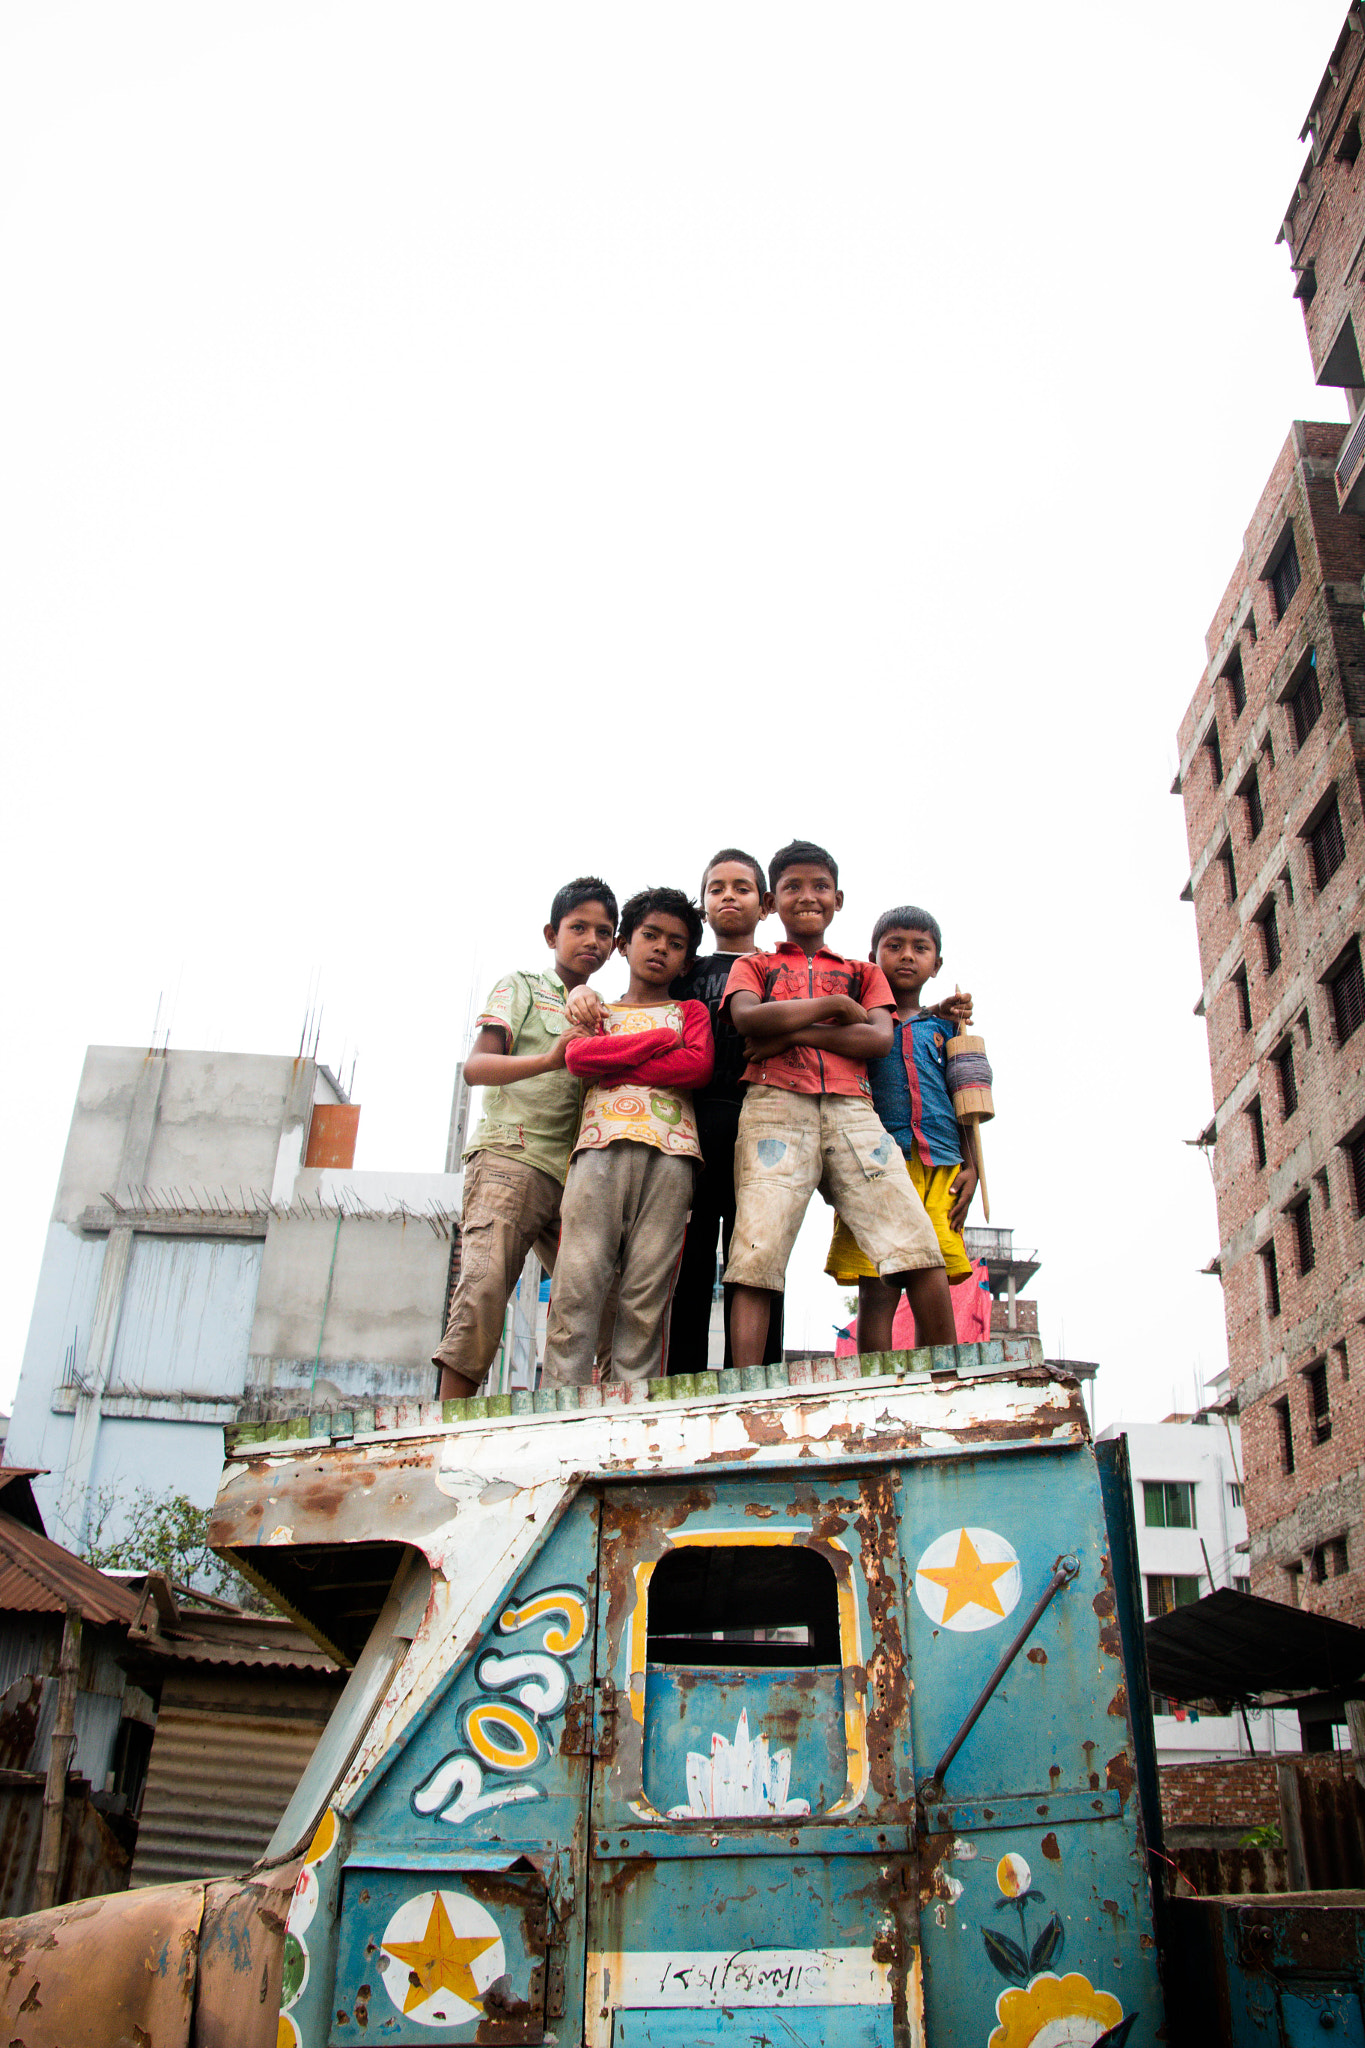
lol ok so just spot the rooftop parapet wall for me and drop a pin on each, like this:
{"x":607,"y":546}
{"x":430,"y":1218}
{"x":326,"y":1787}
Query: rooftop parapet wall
{"x":180,"y":1120}
{"x":361,"y":1424}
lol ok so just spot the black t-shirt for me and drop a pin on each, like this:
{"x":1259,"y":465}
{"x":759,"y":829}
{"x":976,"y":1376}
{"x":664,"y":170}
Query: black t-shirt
{"x":704,"y":982}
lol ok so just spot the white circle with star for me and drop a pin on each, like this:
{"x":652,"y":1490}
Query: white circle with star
{"x":968,"y":1579}
{"x":438,"y":1956}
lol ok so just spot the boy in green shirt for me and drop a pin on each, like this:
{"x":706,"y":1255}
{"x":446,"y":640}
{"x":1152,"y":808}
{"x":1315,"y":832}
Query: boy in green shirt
{"x":517,"y":1159}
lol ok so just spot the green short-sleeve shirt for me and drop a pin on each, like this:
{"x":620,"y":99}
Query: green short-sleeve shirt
{"x":535,"y":1120}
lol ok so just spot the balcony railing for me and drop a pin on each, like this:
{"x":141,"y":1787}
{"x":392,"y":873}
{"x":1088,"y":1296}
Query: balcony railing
{"x":1349,"y":462}
{"x":989,"y":1244}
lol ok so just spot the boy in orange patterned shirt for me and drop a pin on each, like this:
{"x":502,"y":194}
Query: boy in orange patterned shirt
{"x":630,"y":1179}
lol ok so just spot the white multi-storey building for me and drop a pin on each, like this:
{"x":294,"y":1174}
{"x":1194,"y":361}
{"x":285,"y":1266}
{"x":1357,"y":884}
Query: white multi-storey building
{"x":1192,"y":1539}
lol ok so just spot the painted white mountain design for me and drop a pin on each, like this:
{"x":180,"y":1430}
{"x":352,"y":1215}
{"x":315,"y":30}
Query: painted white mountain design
{"x":739,"y":1777}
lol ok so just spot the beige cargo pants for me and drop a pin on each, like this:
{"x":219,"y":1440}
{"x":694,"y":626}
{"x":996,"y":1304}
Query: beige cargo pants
{"x":629,"y":1202}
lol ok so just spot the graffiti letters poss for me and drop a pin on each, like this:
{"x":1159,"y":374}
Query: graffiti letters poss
{"x":505,"y":1734}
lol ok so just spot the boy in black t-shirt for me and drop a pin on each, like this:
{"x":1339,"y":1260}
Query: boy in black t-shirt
{"x":735,"y":899}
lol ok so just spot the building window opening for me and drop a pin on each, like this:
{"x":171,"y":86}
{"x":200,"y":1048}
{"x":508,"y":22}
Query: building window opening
{"x":1251,"y":796}
{"x":1270,"y":937}
{"x":1303,"y":1236}
{"x":1305,"y":702}
{"x":1289,"y":1087}
{"x":1168,"y":1590}
{"x":1284,"y":576}
{"x":1241,"y":1585}
{"x":1348,"y":147}
{"x":1347,"y":987}
{"x":1327,"y":1560}
{"x":1234,"y":1493}
{"x":1168,"y":1503}
{"x":1256,"y":1119}
{"x":1294,"y":1580}
{"x":1327,"y":844}
{"x":1285,"y":1421}
{"x":1319,"y":1401}
{"x":1270,"y":1273}
{"x":765,"y":1603}
{"x":1214,"y":752}
{"x":1236,"y":682}
{"x":1229,"y":871}
{"x":1243,"y":988}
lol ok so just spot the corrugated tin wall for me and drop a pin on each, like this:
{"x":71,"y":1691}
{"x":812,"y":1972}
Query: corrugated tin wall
{"x":217,"y":1785}
{"x":93,"y":1861}
{"x":28,"y":1642}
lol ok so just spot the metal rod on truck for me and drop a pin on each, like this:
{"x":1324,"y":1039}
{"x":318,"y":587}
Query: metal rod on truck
{"x":1063,"y":1572}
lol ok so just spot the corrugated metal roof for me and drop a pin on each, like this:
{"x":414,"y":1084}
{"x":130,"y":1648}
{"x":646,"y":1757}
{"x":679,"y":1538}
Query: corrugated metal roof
{"x":38,"y":1576}
{"x":260,"y":1642}
{"x":217,"y":1785}
{"x":1236,"y":1646}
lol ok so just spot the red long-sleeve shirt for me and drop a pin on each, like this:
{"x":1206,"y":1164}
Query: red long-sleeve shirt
{"x":640,"y":1080}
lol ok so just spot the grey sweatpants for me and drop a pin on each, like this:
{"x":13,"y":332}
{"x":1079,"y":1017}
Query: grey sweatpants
{"x":625,"y":1201}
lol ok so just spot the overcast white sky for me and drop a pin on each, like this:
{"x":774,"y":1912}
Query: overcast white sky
{"x":446,"y":448}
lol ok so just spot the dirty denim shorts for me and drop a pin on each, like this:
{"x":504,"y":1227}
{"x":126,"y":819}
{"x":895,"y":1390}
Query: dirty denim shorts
{"x":791,"y":1144}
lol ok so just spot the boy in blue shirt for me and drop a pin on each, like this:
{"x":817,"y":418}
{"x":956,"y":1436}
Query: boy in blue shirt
{"x":910,"y":1095}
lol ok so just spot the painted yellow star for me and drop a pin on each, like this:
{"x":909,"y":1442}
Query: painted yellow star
{"x":967,"y":1581}
{"x":440,"y":1960}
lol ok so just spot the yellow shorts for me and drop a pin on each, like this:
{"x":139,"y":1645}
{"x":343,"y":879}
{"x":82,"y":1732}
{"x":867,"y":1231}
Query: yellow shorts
{"x":846,"y":1262}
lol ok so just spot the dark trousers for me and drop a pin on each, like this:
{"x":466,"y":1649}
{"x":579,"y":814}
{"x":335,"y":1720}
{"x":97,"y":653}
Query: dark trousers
{"x":712,"y":1219}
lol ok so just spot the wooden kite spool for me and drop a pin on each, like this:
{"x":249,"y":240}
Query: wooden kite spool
{"x":969,"y":1083}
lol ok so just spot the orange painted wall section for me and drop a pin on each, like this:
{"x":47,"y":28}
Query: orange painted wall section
{"x":331,"y":1134}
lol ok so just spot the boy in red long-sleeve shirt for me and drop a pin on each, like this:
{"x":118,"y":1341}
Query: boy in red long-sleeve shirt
{"x":630,"y":1179}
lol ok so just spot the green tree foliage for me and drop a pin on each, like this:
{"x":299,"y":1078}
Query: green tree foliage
{"x":162,"y":1532}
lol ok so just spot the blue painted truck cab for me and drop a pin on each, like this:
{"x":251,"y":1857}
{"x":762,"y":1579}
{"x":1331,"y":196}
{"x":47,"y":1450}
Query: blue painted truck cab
{"x":659,"y":1759}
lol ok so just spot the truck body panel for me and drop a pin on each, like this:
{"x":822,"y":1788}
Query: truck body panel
{"x":655,"y":1760}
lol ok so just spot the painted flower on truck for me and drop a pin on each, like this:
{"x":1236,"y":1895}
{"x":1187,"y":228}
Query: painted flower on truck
{"x":1060,"y":2012}
{"x":1044,"y":2010}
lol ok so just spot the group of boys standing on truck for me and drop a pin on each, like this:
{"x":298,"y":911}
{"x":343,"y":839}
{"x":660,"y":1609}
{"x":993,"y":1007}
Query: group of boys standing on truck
{"x":619,"y":1140}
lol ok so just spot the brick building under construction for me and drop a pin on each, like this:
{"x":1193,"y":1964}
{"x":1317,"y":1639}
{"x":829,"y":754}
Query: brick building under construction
{"x":1271,"y":752}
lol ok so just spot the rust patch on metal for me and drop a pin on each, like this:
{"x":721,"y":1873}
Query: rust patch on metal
{"x":1106,"y":1607}
{"x":1051,"y":1849}
{"x":636,"y":1521}
{"x":762,"y":1426}
{"x":1119,"y":1704}
{"x":934,"y":1852}
{"x":1119,"y":1776}
{"x":1037,"y":1656}
{"x":760,"y":1510}
{"x":887,"y":1696}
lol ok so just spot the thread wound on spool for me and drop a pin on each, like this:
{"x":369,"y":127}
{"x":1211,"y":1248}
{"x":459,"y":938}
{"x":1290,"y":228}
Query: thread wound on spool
{"x":968,"y":1070}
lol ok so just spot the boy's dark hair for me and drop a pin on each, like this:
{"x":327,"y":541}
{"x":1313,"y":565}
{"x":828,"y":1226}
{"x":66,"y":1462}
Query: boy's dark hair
{"x":583,"y":889}
{"x":674,"y":902}
{"x":741,"y":859}
{"x":801,"y":853}
{"x":906,"y":917}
